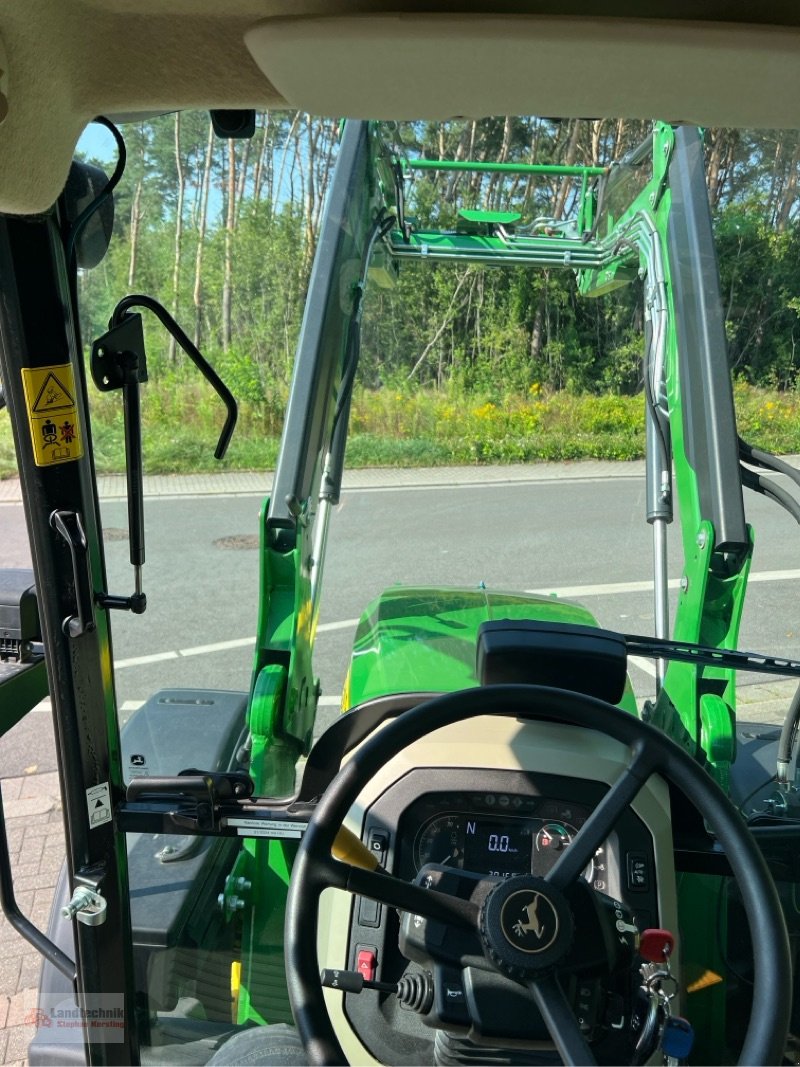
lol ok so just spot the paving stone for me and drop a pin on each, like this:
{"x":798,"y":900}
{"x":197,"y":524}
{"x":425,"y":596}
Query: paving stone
{"x":18,"y":1007}
{"x":11,"y":944}
{"x":19,"y":1037}
{"x":12,"y":788}
{"x":25,"y":901}
{"x":29,"y":807}
{"x":30,"y":852}
{"x":29,"y":971}
{"x":38,"y":785}
{"x":9,"y":975}
{"x":15,"y":836}
{"x":25,"y":870}
{"x":43,"y":898}
{"x":36,"y":818}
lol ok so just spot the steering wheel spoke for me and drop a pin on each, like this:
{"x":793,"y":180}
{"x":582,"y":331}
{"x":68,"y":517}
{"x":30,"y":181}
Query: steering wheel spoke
{"x":603,"y":819}
{"x":560,"y":1021}
{"x":404,"y":896}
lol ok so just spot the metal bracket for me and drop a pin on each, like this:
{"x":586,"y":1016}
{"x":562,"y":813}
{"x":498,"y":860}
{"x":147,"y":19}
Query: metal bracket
{"x":194,"y":796}
{"x":87,"y":906}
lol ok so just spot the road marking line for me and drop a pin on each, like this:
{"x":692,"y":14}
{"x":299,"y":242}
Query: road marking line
{"x":643,"y":665}
{"x":136,"y":661}
{"x":345,"y":624}
{"x":612,"y":588}
{"x":218,"y":646}
{"x":132,"y":705}
{"x":604,"y":589}
{"x":567,"y":591}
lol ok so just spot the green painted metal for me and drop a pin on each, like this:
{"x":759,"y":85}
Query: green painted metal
{"x":424,"y":639}
{"x":566,"y":252}
{"x":713,"y":587}
{"x":265,"y":867}
{"x":283,"y":693}
{"x":702,"y":906}
{"x":500,"y":168}
{"x":503,"y":218}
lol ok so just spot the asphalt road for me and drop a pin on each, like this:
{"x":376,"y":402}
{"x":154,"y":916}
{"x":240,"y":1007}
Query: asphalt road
{"x":585,"y":538}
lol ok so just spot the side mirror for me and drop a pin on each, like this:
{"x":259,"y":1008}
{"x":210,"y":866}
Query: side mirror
{"x":84,"y":184}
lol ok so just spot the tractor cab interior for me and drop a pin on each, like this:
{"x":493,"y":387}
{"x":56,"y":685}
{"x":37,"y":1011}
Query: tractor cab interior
{"x":499,"y":850}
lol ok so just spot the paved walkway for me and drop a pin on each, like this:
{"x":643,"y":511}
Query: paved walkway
{"x":32,"y":805}
{"x":246,"y":483}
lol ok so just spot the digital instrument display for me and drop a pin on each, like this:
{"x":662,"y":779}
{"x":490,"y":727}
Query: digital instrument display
{"x":498,"y":848}
{"x":519,"y":836}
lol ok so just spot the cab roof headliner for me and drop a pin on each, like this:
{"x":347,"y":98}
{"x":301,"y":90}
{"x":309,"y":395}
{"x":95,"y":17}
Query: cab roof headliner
{"x":64,"y":61}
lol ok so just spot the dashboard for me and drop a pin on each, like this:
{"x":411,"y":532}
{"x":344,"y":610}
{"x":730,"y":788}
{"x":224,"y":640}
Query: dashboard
{"x":495,"y":800}
{"x":496,"y":834}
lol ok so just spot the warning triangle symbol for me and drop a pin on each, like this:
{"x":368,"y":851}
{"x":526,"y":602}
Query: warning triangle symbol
{"x":52,"y":397}
{"x":99,"y":804}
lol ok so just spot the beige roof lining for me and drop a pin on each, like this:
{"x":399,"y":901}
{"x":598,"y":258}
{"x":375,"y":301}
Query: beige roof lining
{"x":437,"y":66}
{"x":68,"y":63}
{"x":68,"y":60}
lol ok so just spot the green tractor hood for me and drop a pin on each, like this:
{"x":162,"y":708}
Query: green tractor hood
{"x":424,"y":640}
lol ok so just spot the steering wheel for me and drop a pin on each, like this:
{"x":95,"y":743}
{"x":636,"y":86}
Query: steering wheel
{"x":651,"y":753}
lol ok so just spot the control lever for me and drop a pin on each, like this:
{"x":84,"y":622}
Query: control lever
{"x":415,"y":990}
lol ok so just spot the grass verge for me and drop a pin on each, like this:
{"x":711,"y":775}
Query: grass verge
{"x":409,"y":429}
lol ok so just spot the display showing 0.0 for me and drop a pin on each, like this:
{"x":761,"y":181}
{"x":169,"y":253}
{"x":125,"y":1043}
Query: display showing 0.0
{"x":499,"y":843}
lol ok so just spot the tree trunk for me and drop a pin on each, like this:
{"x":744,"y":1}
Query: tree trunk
{"x":261,"y":164}
{"x":136,"y":218}
{"x":278,"y":194}
{"x":789,"y":192}
{"x":197,"y":293}
{"x":230,"y":223}
{"x":176,"y":264}
{"x":569,"y":160}
{"x":242,"y":183}
{"x":309,"y":205}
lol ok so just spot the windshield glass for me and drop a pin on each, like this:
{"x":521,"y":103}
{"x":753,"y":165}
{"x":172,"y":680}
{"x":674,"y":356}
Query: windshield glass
{"x":544,"y":364}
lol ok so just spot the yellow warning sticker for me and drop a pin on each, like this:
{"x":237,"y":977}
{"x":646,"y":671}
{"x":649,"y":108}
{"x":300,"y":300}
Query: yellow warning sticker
{"x":52,"y":414}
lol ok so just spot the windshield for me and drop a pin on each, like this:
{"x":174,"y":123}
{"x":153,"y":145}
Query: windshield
{"x":487,"y":370}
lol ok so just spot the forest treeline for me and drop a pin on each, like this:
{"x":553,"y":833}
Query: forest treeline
{"x":224,"y":232}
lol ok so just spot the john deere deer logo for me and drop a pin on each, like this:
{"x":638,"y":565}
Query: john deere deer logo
{"x":529,"y":921}
{"x":531,"y":924}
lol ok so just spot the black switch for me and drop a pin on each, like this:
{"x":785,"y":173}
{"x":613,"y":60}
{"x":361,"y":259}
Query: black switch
{"x":379,"y":844}
{"x":638,"y":871}
{"x":369,"y":912}
{"x":449,"y":1000}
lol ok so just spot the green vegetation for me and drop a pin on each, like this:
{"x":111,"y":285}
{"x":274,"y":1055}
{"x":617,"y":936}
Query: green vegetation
{"x":459,"y":364}
{"x":413,"y":428}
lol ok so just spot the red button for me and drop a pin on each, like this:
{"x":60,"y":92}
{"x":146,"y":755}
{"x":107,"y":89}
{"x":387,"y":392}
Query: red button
{"x":365,"y":966}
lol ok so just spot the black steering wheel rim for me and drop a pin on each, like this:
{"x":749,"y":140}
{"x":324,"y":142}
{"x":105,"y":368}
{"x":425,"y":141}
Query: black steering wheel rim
{"x":313,"y":868}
